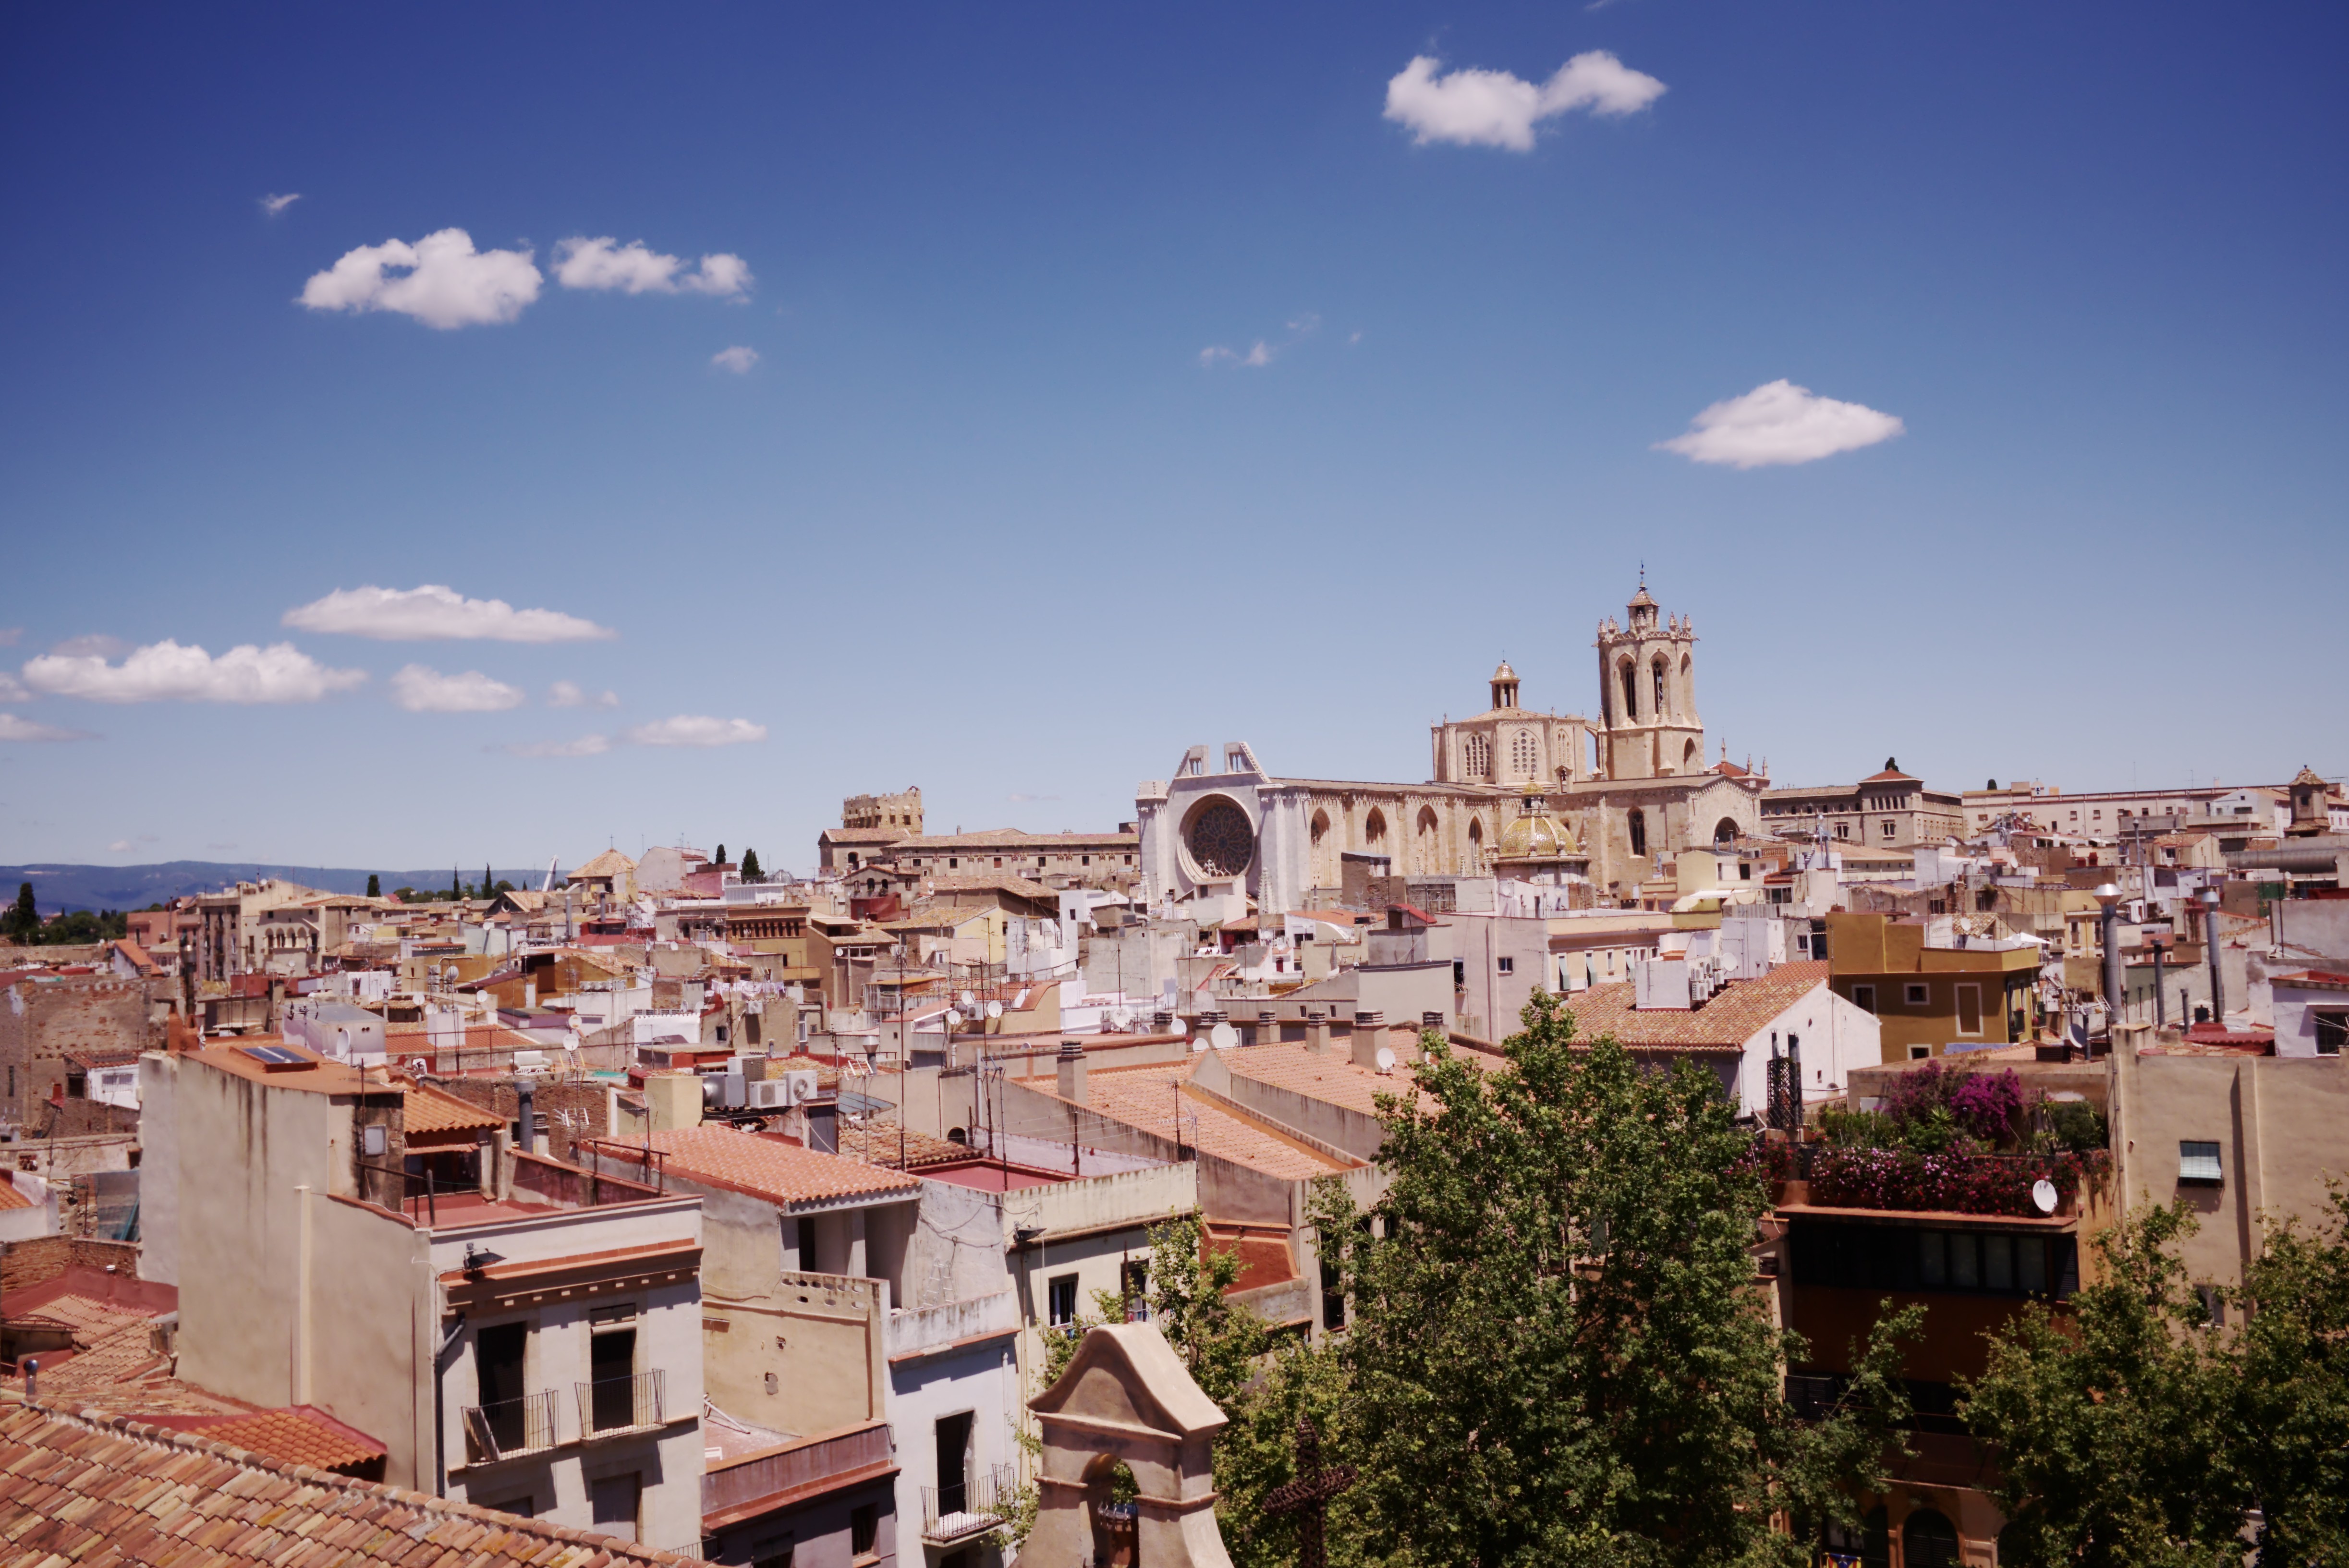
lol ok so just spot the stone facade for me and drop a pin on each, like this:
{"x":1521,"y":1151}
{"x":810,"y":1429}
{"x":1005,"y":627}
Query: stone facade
{"x":1224,"y":828}
{"x":44,"y":1019}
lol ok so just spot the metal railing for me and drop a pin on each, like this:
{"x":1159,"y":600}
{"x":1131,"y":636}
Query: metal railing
{"x":628,"y":1404}
{"x":510,"y":1427}
{"x":968,"y":1507}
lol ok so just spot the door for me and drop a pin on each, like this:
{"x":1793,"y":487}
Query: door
{"x":611,"y":1370}
{"x":954,"y":1463}
{"x":1969,"y":1009}
{"x":498,"y":1354}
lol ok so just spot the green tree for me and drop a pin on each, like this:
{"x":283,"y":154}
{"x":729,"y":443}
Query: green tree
{"x":488,"y":881}
{"x":2115,"y":1428}
{"x":719,"y":859}
{"x":375,"y":885}
{"x":2292,"y":1402}
{"x":750,"y":872}
{"x":456,"y":888}
{"x":1558,"y":1355}
{"x":22,"y":923}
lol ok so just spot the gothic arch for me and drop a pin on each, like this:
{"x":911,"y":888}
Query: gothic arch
{"x":1477,"y":754}
{"x":1320,"y":827}
{"x":1525,"y":755}
{"x":1475,"y":844}
{"x":1630,"y":677}
{"x":1691,"y":757}
{"x":1425,"y":850}
{"x":1374,"y":828}
{"x":1724,"y":833}
{"x":1636,"y":822}
{"x":1663,"y":692}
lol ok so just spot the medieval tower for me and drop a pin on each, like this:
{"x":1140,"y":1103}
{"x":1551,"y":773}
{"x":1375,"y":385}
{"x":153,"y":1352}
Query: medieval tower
{"x":1648,"y":727}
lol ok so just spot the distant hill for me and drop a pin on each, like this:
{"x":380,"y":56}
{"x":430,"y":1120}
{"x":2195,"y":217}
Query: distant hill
{"x":58,"y":889}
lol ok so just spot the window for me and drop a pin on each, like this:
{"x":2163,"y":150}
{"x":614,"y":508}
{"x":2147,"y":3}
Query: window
{"x":1889,"y":831}
{"x":1914,"y":995}
{"x":1060,"y":1301}
{"x":954,"y":1461}
{"x":1970,"y":1015}
{"x":1918,"y":1053}
{"x":1525,"y":757}
{"x":615,"y":1500}
{"x":1630,"y":692}
{"x":865,"y":1532}
{"x":500,"y":1352}
{"x":1928,"y":1541}
{"x":1477,"y":757}
{"x":612,"y":1366}
{"x":1639,"y":825}
{"x":1134,"y":1288}
{"x":1506,"y":966}
{"x":2199,"y":1163}
{"x":1843,"y":830}
{"x":2331,"y":1029}
{"x":1862,"y":996}
{"x":774,"y":1554}
{"x":1899,"y":1258}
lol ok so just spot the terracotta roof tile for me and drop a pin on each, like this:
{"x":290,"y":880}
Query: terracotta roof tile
{"x":428,"y":1109}
{"x":770,"y":1169}
{"x":1145,"y":1097}
{"x":1726,"y":1022}
{"x":98,"y":1489}
{"x":12,"y":1198}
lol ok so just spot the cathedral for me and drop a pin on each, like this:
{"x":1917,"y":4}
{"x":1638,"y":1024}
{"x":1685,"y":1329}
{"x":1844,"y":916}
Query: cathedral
{"x":1618,"y":796}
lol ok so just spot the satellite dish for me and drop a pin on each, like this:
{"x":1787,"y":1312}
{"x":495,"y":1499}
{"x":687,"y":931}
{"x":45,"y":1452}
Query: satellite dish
{"x":954,"y":1019}
{"x":2042,"y":1195}
{"x":968,"y":1000}
{"x":1121,"y":1017}
{"x":1223,"y":1037}
{"x":995,"y":1009}
{"x":570,"y":1043}
{"x":1198,"y":1045}
{"x":1386,"y":1061}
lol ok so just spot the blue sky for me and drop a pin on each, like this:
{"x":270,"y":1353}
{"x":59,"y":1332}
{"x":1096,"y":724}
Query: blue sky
{"x":989,"y":513}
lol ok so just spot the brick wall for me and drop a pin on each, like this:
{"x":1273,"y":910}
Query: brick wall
{"x":41,"y":1021}
{"x":24,"y":1264}
{"x":564,"y":1110}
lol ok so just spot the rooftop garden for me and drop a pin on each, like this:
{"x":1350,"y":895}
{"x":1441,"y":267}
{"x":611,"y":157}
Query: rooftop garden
{"x":1951,"y":1140}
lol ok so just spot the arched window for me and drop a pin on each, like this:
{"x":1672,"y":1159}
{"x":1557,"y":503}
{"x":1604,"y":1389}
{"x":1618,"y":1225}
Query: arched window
{"x":1476,"y":837}
{"x":1928,"y":1541}
{"x":1691,"y":758}
{"x":1639,"y":824}
{"x":1321,"y":825}
{"x":1477,"y":755}
{"x":1525,"y":755}
{"x":1374,"y":827}
{"x":1724,"y":833}
{"x":1423,"y":847}
{"x":1631,"y":691}
{"x":1663,"y":703}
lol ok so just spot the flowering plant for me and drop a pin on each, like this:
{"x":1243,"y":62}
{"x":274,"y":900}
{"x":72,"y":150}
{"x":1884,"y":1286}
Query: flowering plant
{"x":1964,"y":1184}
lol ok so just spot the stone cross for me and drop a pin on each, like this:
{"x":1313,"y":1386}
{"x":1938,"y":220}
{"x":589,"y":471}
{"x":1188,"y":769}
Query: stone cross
{"x":1307,"y":1496}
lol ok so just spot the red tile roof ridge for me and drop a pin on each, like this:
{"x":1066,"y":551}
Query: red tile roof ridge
{"x":20,"y":1424}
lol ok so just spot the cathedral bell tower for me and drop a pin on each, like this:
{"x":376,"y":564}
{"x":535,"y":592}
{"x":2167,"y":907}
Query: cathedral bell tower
{"x":1648,"y":727}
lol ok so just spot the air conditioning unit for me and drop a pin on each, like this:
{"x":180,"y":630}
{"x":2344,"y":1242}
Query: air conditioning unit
{"x":768,"y":1094}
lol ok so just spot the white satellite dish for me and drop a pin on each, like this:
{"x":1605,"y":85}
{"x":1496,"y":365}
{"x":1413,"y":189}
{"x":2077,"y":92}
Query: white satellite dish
{"x":1199,"y":1045}
{"x":968,"y":1000}
{"x":954,"y":1019}
{"x":1386,"y":1061}
{"x":1223,"y":1037}
{"x":2042,"y":1195}
{"x":995,"y":1009}
{"x":1119,"y":1017}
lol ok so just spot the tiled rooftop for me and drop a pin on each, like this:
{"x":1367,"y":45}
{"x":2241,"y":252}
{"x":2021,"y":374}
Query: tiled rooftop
{"x":296,"y":1437}
{"x":1723,"y":1023}
{"x":1145,"y":1097}
{"x":1331,"y":1076}
{"x":99,"y":1490}
{"x":771,"y":1168}
{"x":430,"y":1110}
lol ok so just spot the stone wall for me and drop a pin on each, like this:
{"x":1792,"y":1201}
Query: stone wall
{"x":24,"y":1264}
{"x":42,"y":1020}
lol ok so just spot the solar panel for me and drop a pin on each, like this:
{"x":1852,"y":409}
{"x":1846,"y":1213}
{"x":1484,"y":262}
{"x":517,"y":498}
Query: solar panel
{"x":273,"y":1056}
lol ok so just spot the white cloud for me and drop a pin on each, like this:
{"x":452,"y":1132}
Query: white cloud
{"x":166,"y":672}
{"x":14,"y":728}
{"x":440,"y":279}
{"x":585,"y":746}
{"x":737,"y":359}
{"x":568,"y":694}
{"x":636,"y":268}
{"x":421,"y":690}
{"x":692,"y":729}
{"x":98,"y":643}
{"x":433,"y":612}
{"x":1779,"y":422}
{"x":12,"y":689}
{"x":273,"y":205}
{"x":1261,"y":353}
{"x":1494,"y":108}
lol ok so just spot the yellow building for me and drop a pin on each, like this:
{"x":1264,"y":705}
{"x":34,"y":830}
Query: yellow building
{"x":1928,"y":997}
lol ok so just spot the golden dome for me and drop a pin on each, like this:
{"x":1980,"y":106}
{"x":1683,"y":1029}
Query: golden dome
{"x":1504,"y":672}
{"x":1534,"y":834}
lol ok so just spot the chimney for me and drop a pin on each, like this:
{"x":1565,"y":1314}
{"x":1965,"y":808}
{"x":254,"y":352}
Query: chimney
{"x":1268,"y":1027}
{"x":1370,"y":1034}
{"x":1317,"y":1033}
{"x":528,"y":1114}
{"x":1069,"y":1068}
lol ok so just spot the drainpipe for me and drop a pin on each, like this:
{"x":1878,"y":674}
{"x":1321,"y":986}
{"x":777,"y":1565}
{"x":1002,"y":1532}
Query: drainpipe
{"x":2160,"y":999}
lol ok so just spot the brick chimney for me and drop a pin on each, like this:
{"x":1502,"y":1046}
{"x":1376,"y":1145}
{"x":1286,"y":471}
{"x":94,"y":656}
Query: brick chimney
{"x":1370,"y":1034}
{"x":1069,"y":1068}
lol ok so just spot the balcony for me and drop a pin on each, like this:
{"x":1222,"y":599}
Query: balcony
{"x":966,"y":1508}
{"x":611,"y":1406}
{"x":510,"y":1428}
